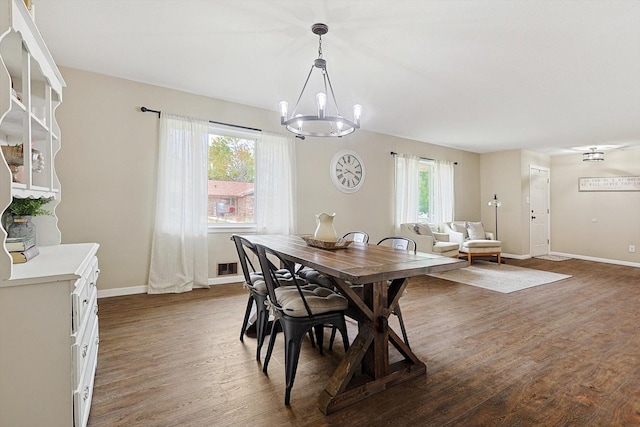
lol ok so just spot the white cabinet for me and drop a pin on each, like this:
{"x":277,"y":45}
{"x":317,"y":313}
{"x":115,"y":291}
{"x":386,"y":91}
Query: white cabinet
{"x":30,"y":91}
{"x":48,"y":305}
{"x":49,"y":338}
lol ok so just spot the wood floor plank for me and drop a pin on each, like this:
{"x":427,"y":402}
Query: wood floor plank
{"x":562,"y":354}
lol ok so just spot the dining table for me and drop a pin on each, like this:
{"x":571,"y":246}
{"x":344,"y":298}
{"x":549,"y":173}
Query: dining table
{"x":383,"y":274}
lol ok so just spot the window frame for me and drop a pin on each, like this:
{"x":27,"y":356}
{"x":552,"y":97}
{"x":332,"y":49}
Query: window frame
{"x":245,"y":227}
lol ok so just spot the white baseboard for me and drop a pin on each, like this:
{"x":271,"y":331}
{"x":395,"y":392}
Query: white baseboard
{"x":604,"y":260}
{"x":116,"y":292}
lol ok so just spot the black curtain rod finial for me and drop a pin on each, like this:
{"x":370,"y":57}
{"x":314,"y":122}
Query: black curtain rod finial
{"x":149,"y":110}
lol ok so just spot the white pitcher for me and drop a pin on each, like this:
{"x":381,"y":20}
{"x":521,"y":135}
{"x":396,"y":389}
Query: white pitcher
{"x":324,"y":229}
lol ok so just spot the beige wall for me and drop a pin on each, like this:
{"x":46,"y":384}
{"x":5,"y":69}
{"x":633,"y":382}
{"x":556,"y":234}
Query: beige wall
{"x":595,"y":224}
{"x":506,"y":173}
{"x":107,"y":170}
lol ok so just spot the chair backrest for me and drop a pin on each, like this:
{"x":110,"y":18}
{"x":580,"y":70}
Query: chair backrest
{"x":399,"y":242}
{"x":242,"y":245}
{"x":357,"y":236}
{"x":269,"y":272}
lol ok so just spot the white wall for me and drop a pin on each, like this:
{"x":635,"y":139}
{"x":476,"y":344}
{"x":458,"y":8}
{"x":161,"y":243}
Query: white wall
{"x":107,"y":170}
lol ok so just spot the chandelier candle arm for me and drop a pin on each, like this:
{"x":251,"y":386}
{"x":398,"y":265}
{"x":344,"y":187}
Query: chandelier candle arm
{"x":323,"y":124}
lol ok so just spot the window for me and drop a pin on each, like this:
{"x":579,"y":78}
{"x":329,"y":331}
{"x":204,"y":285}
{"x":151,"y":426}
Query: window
{"x":231,"y":178}
{"x":425,"y":182}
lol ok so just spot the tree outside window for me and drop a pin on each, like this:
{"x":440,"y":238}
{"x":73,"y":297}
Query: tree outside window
{"x":424,"y":186}
{"x":231,"y":185}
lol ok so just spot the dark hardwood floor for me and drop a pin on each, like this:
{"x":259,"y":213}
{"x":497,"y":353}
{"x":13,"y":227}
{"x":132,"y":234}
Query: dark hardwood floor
{"x":562,"y":354}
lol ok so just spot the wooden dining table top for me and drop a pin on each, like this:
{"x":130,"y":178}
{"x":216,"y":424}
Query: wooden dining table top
{"x":358,"y":263}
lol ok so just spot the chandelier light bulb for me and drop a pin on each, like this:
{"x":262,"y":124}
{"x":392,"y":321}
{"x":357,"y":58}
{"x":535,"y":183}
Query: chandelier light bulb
{"x":339,"y":123}
{"x":283,"y":107}
{"x":321,"y":99}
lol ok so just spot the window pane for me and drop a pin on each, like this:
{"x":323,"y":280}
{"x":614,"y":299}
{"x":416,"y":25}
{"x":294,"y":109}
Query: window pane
{"x":231,"y":179}
{"x":424,"y":212}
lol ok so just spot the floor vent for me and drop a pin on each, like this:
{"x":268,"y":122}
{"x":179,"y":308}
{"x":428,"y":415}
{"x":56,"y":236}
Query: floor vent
{"x":230,"y":268}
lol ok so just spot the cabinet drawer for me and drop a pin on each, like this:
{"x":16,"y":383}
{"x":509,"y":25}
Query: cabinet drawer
{"x":81,"y":296}
{"x":84,"y":347}
{"x":83,"y":394}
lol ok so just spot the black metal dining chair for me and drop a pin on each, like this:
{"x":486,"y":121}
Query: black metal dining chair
{"x":297,"y":310}
{"x":399,"y":242}
{"x":255,"y":284}
{"x":357,"y":236}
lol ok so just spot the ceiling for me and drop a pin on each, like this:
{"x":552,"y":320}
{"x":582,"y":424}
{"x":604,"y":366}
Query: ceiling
{"x":481,"y":75}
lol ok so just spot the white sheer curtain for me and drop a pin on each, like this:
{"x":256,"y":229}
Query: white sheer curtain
{"x":442,"y":192}
{"x":406,"y":189}
{"x":275,"y":184}
{"x":179,"y":258}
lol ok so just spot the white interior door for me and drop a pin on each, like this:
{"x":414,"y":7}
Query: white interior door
{"x":539,"y":210}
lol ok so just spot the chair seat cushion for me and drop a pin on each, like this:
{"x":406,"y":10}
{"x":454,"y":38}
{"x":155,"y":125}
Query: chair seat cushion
{"x":320,"y":300}
{"x":481,"y":244}
{"x":441,"y":247}
{"x":313,"y":276}
{"x":260,"y":285}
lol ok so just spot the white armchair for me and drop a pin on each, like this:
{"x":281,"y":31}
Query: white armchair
{"x":473,"y":240}
{"x":428,"y":240}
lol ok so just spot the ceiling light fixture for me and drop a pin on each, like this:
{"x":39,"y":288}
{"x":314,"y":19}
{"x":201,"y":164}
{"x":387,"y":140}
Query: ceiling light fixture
{"x":323,"y":123}
{"x":593,"y":156}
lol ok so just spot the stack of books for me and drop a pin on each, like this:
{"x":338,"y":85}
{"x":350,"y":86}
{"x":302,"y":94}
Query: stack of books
{"x":21,"y":249}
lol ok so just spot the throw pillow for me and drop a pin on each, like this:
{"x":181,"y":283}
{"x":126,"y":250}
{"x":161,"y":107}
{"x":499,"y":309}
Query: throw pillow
{"x":460,"y":228}
{"x":475,"y":230}
{"x":423,"y":229}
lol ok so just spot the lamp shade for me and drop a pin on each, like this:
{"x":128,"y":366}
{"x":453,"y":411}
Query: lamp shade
{"x":593,"y":156}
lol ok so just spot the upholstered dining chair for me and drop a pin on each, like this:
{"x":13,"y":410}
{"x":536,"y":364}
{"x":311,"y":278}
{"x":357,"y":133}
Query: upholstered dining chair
{"x":297,"y":310}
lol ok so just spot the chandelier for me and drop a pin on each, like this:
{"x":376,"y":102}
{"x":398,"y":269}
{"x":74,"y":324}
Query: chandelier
{"x":593,"y":156}
{"x":327,"y":121}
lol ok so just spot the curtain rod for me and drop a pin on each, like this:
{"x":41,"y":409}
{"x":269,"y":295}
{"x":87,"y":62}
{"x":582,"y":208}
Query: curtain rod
{"x":148,"y":110}
{"x":393,"y":153}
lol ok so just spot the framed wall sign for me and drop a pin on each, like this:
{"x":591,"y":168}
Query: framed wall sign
{"x":609,"y":183}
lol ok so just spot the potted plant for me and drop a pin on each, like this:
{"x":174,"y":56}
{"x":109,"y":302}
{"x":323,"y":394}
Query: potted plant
{"x":21,"y":211}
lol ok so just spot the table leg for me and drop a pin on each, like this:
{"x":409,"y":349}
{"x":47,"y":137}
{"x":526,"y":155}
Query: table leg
{"x":370,"y":349}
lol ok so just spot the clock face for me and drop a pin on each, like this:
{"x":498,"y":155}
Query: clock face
{"x":347,"y":171}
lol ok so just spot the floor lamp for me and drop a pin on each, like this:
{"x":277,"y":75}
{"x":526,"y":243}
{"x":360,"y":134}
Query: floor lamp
{"x":496,"y":204}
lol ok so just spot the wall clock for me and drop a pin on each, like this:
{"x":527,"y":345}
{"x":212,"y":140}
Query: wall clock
{"x":347,"y":171}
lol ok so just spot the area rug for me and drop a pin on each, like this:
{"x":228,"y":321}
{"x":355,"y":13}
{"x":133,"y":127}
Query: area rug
{"x":500,"y":278}
{"x":553,"y":257}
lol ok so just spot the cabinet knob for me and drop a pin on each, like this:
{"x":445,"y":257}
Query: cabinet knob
{"x":85,"y":349}
{"x":85,"y":393}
